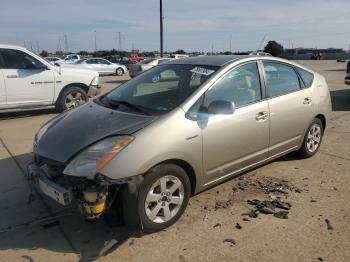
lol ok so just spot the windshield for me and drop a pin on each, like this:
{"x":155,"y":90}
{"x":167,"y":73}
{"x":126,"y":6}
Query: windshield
{"x":160,"y":89}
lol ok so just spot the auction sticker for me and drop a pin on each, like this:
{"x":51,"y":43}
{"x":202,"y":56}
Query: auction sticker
{"x":202,"y":71}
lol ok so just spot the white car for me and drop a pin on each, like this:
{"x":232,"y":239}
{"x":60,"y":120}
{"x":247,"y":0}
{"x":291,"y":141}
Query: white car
{"x":146,"y":64}
{"x":102,"y":66}
{"x":260,"y":53}
{"x":72,"y":58}
{"x":29,"y":82}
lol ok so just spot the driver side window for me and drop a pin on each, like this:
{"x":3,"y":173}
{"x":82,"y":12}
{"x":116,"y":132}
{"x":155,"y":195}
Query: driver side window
{"x":15,"y":59}
{"x":241,"y":86}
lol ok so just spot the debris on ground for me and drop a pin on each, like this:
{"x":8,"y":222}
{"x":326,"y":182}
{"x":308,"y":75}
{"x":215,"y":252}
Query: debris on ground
{"x":205,"y":218}
{"x":131,"y":242}
{"x":238,"y":226}
{"x":217,"y":225}
{"x":223,"y":204}
{"x":320,"y":259}
{"x":268,"y":207}
{"x":328,"y":223}
{"x":230,"y":240}
{"x":29,"y":258}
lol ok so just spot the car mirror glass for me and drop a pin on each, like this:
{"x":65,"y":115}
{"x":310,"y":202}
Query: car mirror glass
{"x":221,"y":107}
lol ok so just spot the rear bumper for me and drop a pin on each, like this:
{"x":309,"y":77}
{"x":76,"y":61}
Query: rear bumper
{"x":94,"y":91}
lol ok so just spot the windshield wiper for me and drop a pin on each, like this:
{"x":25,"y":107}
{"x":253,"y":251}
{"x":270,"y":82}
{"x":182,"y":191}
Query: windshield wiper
{"x":128,"y":104}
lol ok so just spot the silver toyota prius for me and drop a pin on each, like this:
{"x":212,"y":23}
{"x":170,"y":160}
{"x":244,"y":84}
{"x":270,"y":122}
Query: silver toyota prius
{"x":145,"y":147}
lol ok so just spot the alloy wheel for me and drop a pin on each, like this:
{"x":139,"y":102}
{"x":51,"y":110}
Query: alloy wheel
{"x":74,"y":99}
{"x":314,"y":138}
{"x":164,"y":199}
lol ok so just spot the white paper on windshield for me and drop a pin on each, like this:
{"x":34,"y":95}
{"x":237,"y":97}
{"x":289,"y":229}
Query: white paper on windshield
{"x":202,"y":71}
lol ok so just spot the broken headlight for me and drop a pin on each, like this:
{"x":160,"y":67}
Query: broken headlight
{"x":93,"y":159}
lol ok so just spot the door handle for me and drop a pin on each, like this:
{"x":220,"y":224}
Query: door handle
{"x":262,"y":116}
{"x":12,"y":76}
{"x":307,"y":101}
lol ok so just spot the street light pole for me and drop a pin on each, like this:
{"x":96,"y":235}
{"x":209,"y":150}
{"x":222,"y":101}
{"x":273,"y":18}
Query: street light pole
{"x":161,"y":27}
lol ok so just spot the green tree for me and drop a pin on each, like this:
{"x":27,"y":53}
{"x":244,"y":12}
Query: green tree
{"x":180,"y":52}
{"x":274,"y":48}
{"x":44,"y":53}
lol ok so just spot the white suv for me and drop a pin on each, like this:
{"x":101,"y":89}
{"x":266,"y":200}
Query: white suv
{"x":28,"y":82}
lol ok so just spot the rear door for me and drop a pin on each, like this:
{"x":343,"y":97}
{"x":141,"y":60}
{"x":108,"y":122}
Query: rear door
{"x":291,"y":107}
{"x":106,"y":67}
{"x":28,"y":81}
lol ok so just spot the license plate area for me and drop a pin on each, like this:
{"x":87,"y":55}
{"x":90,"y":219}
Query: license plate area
{"x":54,"y":191}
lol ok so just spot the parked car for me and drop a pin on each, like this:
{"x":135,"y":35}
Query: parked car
{"x":260,"y":53}
{"x":177,"y":56}
{"x":28,"y":82}
{"x":136,"y":58}
{"x":347,"y":76}
{"x":72,"y":58}
{"x":120,"y":60}
{"x":102,"y":66}
{"x":144,"y":65}
{"x":177,"y":129}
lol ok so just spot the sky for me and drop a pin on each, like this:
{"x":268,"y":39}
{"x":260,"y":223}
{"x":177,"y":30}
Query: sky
{"x":192,"y":25}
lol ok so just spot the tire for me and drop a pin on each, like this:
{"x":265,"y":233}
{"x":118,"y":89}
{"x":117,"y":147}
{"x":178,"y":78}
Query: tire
{"x":312,"y":140}
{"x":119,"y":72}
{"x":156,"y":209}
{"x":65,"y":101}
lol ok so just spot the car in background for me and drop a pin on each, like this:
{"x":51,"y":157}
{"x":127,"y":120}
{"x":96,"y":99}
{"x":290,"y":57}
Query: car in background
{"x":177,"y":56}
{"x":71,"y":58}
{"x":144,"y":65}
{"x":260,"y":53}
{"x":102,"y":66}
{"x":205,"y":120}
{"x":28,"y":81}
{"x":136,"y":58}
{"x":347,"y":76}
{"x":54,"y":59}
{"x":120,"y":60}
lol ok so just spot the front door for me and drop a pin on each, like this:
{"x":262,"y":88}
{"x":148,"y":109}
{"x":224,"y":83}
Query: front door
{"x":28,"y":81}
{"x":2,"y":89}
{"x":234,"y":142}
{"x":291,"y":107}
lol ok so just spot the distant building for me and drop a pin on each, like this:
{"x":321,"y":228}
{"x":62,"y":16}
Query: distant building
{"x":302,"y":51}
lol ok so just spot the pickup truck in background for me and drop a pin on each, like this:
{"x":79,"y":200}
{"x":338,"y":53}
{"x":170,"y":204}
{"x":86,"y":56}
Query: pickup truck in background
{"x":29,"y":82}
{"x":136,"y":58}
{"x":347,"y":76}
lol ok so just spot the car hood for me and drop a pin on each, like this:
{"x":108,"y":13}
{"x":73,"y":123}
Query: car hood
{"x":67,"y":134}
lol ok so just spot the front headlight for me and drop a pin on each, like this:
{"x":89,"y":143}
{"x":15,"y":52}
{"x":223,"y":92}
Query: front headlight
{"x":94,"y":81}
{"x":93,"y":159}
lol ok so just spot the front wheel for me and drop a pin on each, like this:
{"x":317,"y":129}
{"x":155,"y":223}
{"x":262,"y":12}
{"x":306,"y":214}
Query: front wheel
{"x":163,"y":197}
{"x":70,"y":98}
{"x":119,"y":72}
{"x":312,"y":140}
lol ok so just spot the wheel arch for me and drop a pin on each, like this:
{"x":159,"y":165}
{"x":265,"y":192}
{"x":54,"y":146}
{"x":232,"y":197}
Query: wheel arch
{"x":322,"y":118}
{"x":81,"y":85}
{"x":188,"y":169}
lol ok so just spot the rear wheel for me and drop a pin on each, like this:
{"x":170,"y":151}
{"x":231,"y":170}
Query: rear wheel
{"x":163,"y":197}
{"x":119,"y":72}
{"x":70,"y":98}
{"x":312,"y":140}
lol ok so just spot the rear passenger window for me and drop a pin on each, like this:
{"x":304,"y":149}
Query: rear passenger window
{"x":281,"y":79}
{"x":307,"y":77}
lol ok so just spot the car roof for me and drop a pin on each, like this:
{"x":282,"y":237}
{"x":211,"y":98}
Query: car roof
{"x":218,"y":60}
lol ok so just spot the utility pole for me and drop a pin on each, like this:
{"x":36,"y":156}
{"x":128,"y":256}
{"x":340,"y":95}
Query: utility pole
{"x":95,"y":40}
{"x":161,"y":27}
{"x":119,"y":41}
{"x":230,"y":43}
{"x":66,"y":44}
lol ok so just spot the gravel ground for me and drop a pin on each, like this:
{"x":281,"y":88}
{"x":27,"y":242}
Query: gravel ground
{"x":213,"y":227}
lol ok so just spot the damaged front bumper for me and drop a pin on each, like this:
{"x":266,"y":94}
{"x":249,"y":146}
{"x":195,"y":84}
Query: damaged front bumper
{"x":92,"y":197}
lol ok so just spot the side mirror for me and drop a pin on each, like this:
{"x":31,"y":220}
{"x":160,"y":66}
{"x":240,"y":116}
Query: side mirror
{"x":221,"y":107}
